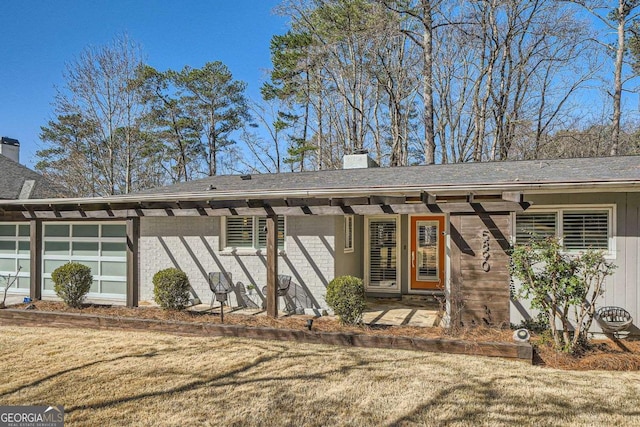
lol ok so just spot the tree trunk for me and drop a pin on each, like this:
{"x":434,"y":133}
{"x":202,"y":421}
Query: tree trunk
{"x":617,"y":79}
{"x":427,"y":89}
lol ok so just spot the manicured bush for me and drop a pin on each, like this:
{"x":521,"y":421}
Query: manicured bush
{"x":171,"y":289}
{"x":72,"y":282}
{"x":345,"y":295}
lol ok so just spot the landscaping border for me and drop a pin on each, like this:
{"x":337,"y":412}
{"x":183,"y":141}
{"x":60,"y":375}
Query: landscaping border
{"x":516,"y":351}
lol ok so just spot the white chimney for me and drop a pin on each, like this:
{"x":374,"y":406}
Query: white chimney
{"x":10,"y":148}
{"x":358,"y":160}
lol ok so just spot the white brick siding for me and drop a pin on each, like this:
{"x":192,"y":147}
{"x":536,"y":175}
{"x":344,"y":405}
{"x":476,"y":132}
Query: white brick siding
{"x":194,"y":246}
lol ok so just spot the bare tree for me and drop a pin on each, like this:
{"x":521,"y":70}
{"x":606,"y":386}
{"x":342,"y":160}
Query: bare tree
{"x":98,"y":116}
{"x":619,"y":17}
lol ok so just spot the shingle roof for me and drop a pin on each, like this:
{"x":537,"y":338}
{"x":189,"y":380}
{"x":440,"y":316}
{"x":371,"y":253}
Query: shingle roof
{"x":12,"y":179}
{"x":583,"y":170}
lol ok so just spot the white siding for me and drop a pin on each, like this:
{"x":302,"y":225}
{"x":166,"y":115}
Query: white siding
{"x":622,"y":287}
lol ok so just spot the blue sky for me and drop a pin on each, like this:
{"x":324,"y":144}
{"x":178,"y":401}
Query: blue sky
{"x":39,"y":37}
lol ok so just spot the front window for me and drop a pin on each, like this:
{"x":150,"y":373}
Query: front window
{"x":348,"y":233}
{"x":250,"y":232}
{"x":578,"y":228}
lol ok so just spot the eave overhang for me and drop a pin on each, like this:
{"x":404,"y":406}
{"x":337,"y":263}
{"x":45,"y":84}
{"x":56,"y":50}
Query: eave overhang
{"x":491,"y":197}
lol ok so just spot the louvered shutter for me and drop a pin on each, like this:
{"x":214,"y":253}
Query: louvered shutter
{"x":239,"y":232}
{"x":585,"y":230}
{"x":382,"y":253}
{"x":538,"y":225}
{"x":348,"y":233}
{"x":262,"y":232}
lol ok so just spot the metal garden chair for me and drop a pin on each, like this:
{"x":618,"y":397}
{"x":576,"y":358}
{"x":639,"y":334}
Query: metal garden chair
{"x":284,"y":283}
{"x":613,"y":320}
{"x":220,"y":285}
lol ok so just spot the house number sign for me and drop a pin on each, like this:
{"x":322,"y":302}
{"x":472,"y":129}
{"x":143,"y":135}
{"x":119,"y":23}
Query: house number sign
{"x":485,"y":251}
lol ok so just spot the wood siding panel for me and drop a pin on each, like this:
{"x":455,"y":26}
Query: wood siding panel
{"x":480,"y":278}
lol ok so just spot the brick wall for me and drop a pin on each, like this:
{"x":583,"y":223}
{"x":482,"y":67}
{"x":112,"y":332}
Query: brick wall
{"x":194,"y":246}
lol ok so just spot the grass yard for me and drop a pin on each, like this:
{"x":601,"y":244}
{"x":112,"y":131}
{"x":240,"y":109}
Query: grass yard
{"x":144,"y":379}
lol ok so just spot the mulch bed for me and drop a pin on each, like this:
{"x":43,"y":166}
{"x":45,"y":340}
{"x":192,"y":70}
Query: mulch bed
{"x":603,"y":354}
{"x":622,"y":355}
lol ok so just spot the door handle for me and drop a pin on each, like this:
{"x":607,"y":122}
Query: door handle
{"x":413,"y":259}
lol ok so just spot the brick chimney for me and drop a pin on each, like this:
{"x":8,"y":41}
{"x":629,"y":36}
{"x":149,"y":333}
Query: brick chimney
{"x":360,"y":159}
{"x":10,"y":148}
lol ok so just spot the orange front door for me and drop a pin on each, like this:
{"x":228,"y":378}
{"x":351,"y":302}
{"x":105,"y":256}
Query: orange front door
{"x":427,"y":252}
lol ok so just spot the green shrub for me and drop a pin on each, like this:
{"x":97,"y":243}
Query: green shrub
{"x":345,"y":295}
{"x":171,"y":289}
{"x":71,"y":282}
{"x":565,"y":287}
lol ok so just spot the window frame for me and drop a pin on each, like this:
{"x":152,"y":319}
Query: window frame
{"x":255,"y":247}
{"x":559,"y":211}
{"x":349,"y":234}
{"x":367,"y":256}
{"x":99,"y":259}
{"x":17,"y":257}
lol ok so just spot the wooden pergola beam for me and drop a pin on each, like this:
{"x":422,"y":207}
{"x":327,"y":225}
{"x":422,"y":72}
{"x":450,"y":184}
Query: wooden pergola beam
{"x":387,"y":200}
{"x":133,"y":261}
{"x":428,"y":198}
{"x":35,"y":259}
{"x":272,"y":265}
{"x":364,"y":205}
{"x":513,"y":196}
{"x":308,"y":202}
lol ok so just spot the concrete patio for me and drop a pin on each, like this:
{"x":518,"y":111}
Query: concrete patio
{"x":420,"y":311}
{"x":424,"y":312}
{"x":410,"y":311}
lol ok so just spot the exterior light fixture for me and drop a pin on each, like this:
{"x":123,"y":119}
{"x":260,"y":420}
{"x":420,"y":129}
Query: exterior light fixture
{"x":521,"y":335}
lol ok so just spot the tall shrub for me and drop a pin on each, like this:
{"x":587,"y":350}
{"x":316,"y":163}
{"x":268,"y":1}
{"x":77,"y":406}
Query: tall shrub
{"x":171,"y":289}
{"x":72,"y":282}
{"x":562,"y":285}
{"x":345,"y":295}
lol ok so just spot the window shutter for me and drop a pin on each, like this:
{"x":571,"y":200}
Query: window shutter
{"x":539,"y":225}
{"x":586,"y":230}
{"x":382,"y":253}
{"x":239,"y":231}
{"x":348,"y":233}
{"x":262,"y":232}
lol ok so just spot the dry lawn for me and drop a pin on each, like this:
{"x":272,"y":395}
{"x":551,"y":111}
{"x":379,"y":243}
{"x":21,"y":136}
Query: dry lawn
{"x":144,"y":379}
{"x":622,"y":355}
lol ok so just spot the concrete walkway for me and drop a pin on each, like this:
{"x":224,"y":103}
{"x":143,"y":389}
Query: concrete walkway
{"x":402,"y":313}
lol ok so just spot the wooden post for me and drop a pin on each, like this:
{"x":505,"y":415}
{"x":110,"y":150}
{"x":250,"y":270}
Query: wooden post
{"x":272,"y":265}
{"x":133,"y":237}
{"x":35,"y":260}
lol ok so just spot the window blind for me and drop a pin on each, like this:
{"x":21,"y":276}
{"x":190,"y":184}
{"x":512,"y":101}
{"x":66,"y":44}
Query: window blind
{"x":262,"y":232}
{"x":585,"y":230}
{"x":239,"y":231}
{"x":538,"y":225}
{"x":382,"y":253}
